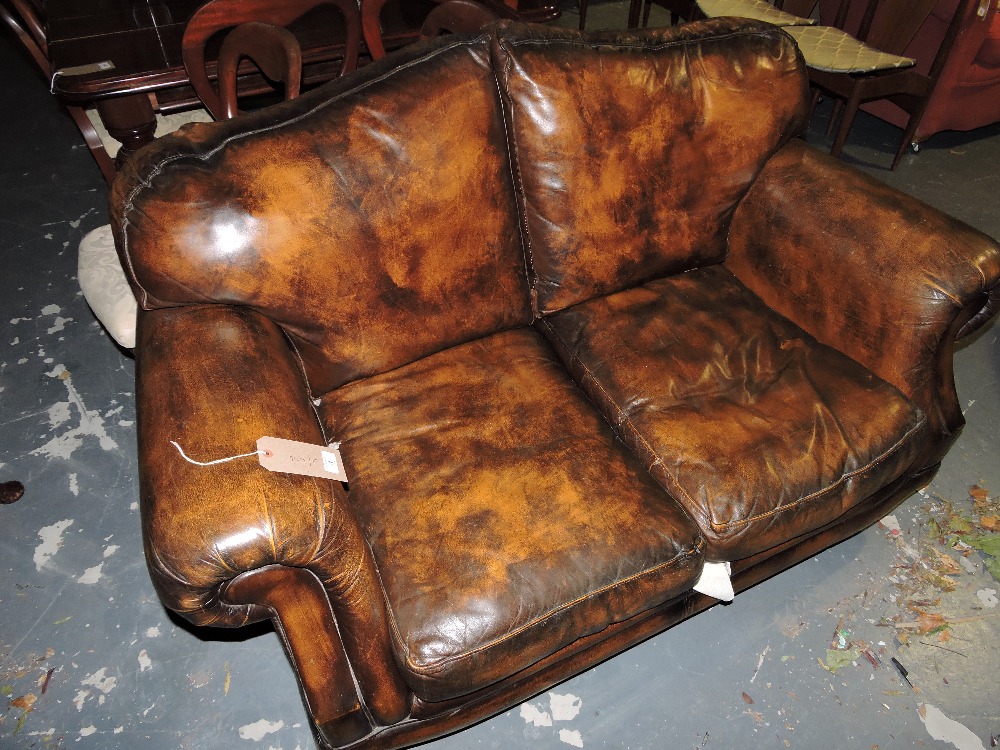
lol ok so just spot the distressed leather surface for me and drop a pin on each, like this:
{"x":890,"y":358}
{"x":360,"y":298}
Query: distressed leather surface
{"x":759,"y":431}
{"x":369,"y":242}
{"x":505,"y":518}
{"x":631,"y":151}
{"x":876,"y":274}
{"x":375,"y":224}
{"x":213,"y":379}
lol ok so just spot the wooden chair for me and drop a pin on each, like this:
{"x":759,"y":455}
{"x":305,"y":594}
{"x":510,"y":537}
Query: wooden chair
{"x":273,"y":49}
{"x":803,"y":8}
{"x":371,"y":27}
{"x":796,"y":14}
{"x":871,"y":66}
{"x":371,"y":19}
{"x":460,"y":16}
{"x":679,"y":9}
{"x":25,"y":20}
{"x":966,"y":94}
{"x":258,"y":26}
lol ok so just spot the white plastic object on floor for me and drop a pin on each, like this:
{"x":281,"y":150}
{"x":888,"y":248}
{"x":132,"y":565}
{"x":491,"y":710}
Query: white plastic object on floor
{"x":715,"y":582}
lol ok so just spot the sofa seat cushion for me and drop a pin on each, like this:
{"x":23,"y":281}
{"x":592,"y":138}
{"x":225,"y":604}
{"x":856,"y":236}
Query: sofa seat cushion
{"x":505,"y":517}
{"x":761,"y":432}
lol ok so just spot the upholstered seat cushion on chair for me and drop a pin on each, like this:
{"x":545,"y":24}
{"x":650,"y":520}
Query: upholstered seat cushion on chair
{"x":835,"y":51}
{"x":501,"y":510}
{"x":105,"y":287}
{"x":759,"y":10}
{"x":762,"y":433}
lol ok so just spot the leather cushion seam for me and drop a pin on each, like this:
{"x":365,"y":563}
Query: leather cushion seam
{"x":830,"y":488}
{"x":611,"y":44}
{"x":517,"y":178}
{"x":624,"y":418}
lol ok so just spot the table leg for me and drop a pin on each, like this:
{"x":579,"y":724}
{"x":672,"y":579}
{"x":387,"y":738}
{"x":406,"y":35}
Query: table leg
{"x":129,"y":119}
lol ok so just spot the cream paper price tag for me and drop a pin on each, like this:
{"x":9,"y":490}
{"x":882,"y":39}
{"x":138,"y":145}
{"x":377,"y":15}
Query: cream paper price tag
{"x":80,"y":70}
{"x":293,"y":457}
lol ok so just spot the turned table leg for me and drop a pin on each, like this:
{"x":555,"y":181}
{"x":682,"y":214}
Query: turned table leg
{"x":130,"y":120}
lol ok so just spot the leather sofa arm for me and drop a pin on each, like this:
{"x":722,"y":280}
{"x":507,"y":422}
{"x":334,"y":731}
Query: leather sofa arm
{"x":868,"y":270}
{"x":214,"y":379}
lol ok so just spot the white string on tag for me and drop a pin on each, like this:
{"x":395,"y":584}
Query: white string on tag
{"x":287,"y":456}
{"x":216,"y":461}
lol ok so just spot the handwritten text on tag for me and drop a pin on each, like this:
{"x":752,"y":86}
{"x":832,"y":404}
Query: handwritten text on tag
{"x":293,"y":457}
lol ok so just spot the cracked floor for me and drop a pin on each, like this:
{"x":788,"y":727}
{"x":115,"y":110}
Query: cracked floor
{"x":90,"y":659}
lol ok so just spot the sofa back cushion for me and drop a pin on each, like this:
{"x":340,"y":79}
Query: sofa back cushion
{"x":632,"y":149}
{"x":373,"y":219}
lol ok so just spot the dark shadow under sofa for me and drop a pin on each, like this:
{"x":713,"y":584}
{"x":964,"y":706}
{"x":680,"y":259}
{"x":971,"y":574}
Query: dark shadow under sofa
{"x":583,"y":316}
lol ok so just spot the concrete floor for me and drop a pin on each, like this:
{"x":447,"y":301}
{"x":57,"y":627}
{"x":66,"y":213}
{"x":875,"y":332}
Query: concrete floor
{"x":90,"y":659}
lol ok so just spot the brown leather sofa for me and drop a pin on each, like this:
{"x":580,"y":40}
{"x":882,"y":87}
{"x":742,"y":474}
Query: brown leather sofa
{"x":582,"y":315}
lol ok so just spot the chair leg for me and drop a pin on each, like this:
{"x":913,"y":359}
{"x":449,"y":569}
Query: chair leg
{"x":911,"y":129}
{"x":646,"y":7}
{"x":845,"y":123}
{"x":583,"y":14}
{"x":837,"y":106}
{"x":814,"y":101}
{"x":904,"y":144}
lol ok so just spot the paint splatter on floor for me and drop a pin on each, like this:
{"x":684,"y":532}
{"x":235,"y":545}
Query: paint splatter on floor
{"x":535,"y":716}
{"x":52,"y":539}
{"x":90,"y":422}
{"x":571,"y":737}
{"x":91,"y":575}
{"x":260,"y":729}
{"x":100,"y":680}
{"x":562,"y":707}
{"x":940,"y":727}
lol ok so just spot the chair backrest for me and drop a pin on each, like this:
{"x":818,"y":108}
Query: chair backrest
{"x":457,"y":20}
{"x":894,"y":23}
{"x":219,"y":15}
{"x":801,"y":8}
{"x":887,"y":25}
{"x":460,"y":16}
{"x":274,"y":49}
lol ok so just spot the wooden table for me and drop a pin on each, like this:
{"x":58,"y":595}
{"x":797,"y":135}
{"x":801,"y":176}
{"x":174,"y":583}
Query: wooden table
{"x":125,"y":55}
{"x":117,"y":55}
